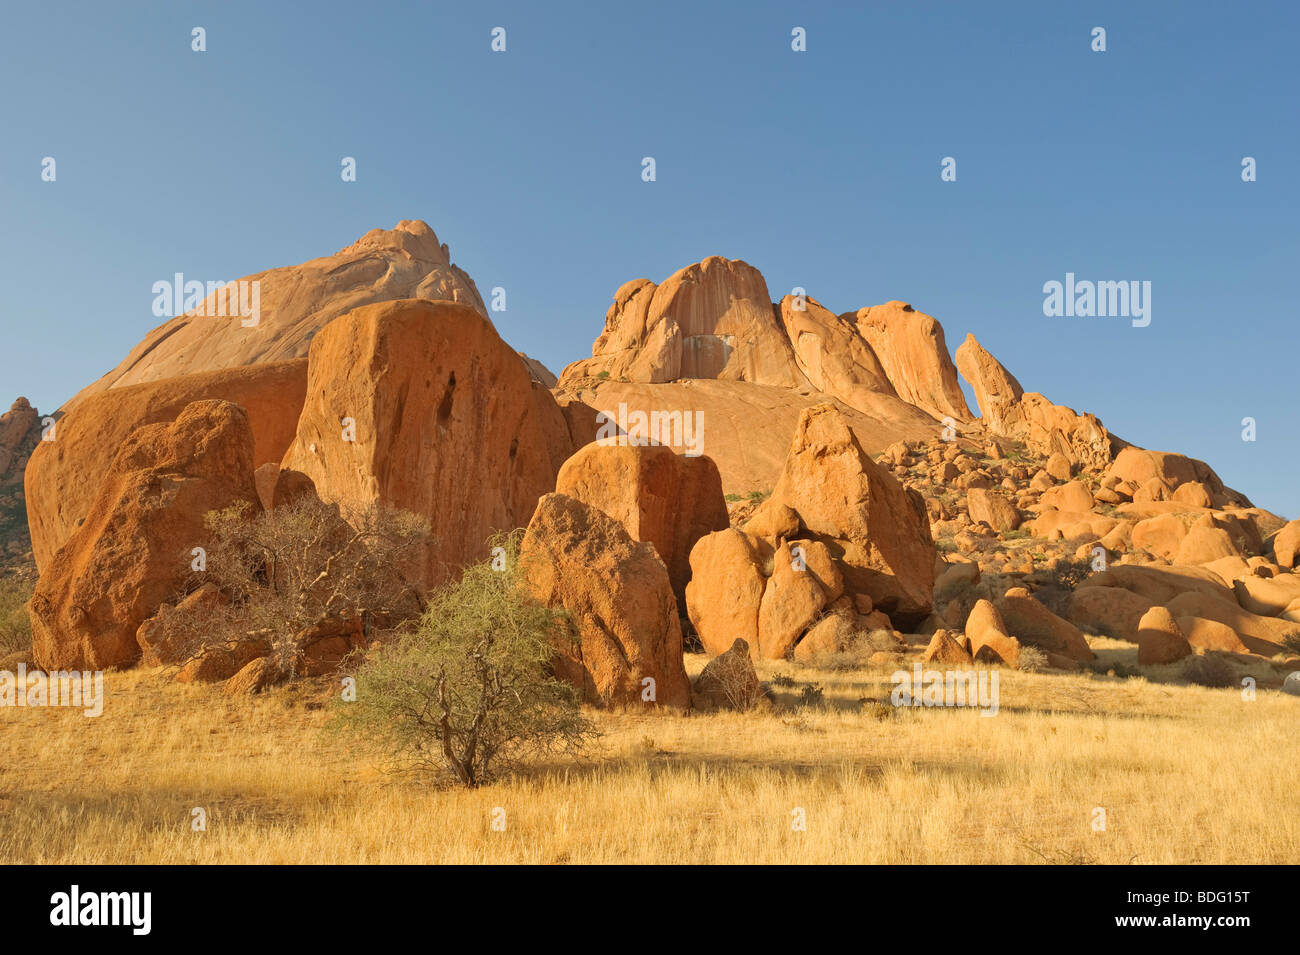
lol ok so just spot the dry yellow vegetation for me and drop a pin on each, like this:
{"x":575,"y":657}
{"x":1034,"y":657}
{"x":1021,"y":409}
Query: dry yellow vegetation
{"x":1185,"y":775}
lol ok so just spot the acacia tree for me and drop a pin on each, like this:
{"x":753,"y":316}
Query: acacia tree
{"x":299,"y":571}
{"x":470,"y":691}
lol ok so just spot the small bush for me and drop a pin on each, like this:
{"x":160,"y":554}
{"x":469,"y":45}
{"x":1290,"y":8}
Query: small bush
{"x":1031,"y":660}
{"x":15,"y":625}
{"x":1067,"y":575}
{"x":1055,"y":598}
{"x":811,"y":695}
{"x":471,"y":691}
{"x":729,"y":681}
{"x":691,"y":642}
{"x":289,"y":570}
{"x":1292,"y":641}
{"x":878,"y":710}
{"x":1209,"y":670}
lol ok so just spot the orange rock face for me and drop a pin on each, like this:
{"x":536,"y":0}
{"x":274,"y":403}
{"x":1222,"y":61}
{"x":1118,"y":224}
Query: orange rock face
{"x":713,"y":319}
{"x":1139,"y":466}
{"x":1034,"y":625}
{"x":422,"y":407}
{"x":295,"y":303}
{"x":1286,"y":544}
{"x":990,"y":640}
{"x":1160,"y":640}
{"x":832,"y":354}
{"x":1162,"y":584}
{"x":991,"y":508}
{"x":132,"y":552}
{"x":943,"y":649}
{"x":1007,"y":410}
{"x":1211,"y":635}
{"x":1262,"y":635}
{"x":838,"y":533}
{"x":879,"y":533}
{"x":801,"y":585}
{"x":1160,"y":535}
{"x":619,"y":603}
{"x":64,"y":475}
{"x":726,"y":590}
{"x":670,"y":500}
{"x":745,"y":428}
{"x":1112,"y":611}
{"x":914,"y":354}
{"x":996,"y":390}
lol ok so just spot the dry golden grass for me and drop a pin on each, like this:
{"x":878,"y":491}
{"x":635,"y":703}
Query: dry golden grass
{"x":1185,"y":774}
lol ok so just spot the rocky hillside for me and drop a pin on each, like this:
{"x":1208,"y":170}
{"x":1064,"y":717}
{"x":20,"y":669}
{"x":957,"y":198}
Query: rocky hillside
{"x":1056,"y":531}
{"x":831,"y":495}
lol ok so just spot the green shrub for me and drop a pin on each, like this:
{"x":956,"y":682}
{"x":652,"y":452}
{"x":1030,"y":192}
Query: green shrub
{"x":471,"y":691}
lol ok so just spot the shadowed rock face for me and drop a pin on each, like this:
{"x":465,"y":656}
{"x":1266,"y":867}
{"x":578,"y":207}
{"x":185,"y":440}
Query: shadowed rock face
{"x":421,"y":406}
{"x":296,"y":302}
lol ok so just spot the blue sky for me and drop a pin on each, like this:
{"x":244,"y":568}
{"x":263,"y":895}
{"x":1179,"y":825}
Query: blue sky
{"x":819,"y":168}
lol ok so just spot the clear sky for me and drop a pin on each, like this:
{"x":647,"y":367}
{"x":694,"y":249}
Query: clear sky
{"x":820,"y":168}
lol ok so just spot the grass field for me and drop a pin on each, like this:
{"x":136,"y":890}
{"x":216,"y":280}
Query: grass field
{"x":1184,"y":774}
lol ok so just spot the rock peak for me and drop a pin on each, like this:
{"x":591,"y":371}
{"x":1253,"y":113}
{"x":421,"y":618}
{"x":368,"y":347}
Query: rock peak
{"x":294,"y":303}
{"x":414,"y":237}
{"x":714,"y":319}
